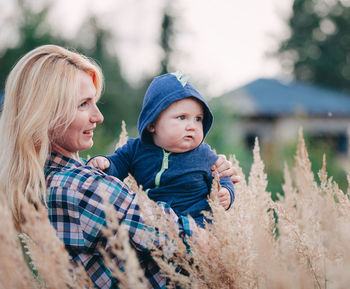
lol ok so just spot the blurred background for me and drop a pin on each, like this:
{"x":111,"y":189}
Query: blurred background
{"x":266,"y":67}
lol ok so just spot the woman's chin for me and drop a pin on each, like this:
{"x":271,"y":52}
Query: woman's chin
{"x":86,"y":146}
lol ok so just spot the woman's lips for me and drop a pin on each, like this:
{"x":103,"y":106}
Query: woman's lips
{"x":89,"y":131}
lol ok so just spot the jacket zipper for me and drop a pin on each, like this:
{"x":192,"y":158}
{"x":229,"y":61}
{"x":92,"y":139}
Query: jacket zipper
{"x":165,"y":165}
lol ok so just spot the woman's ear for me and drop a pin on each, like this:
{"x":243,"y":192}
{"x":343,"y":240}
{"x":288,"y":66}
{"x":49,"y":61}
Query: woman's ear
{"x":151,"y":128}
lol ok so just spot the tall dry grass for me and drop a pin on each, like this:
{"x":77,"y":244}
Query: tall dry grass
{"x":44,"y":262}
{"x":300,"y":241}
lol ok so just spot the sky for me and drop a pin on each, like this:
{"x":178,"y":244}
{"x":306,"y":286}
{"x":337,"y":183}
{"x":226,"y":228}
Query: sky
{"x":220,"y":44}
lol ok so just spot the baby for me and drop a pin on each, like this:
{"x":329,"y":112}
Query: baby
{"x":169,"y":158}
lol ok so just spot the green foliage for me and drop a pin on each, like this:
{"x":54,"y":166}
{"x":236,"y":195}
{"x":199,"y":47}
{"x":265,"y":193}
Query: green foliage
{"x":167,"y":27}
{"x":33,"y":32}
{"x":224,"y":137}
{"x":318,"y":48}
{"x":119,"y":101}
{"x":167,"y":37}
{"x":272,"y":156}
{"x":103,"y":143}
{"x":328,"y":63}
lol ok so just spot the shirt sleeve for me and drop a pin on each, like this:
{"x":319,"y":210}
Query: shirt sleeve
{"x":126,"y":204}
{"x":76,"y":211}
{"x":76,"y":223}
{"x":137,"y":228}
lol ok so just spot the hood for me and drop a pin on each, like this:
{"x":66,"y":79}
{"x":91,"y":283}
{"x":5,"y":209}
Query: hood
{"x":163,"y":91}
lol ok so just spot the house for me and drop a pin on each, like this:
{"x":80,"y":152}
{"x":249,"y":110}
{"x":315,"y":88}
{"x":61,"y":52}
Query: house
{"x":274,"y":111}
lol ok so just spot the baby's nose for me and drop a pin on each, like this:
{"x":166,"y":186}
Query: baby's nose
{"x":190,"y":125}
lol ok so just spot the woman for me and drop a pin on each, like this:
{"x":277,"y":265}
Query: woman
{"x":49,"y":115}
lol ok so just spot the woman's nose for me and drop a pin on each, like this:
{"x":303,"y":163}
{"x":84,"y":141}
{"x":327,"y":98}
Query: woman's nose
{"x":96,"y":116}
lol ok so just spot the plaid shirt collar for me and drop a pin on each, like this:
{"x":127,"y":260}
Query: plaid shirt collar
{"x":57,"y":161}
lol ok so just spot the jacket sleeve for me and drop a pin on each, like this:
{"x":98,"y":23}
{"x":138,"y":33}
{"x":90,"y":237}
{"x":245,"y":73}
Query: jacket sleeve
{"x":121,"y":161}
{"x":227,"y":183}
{"x":224,"y":182}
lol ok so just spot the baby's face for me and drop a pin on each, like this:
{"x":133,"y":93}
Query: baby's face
{"x":179,"y":128}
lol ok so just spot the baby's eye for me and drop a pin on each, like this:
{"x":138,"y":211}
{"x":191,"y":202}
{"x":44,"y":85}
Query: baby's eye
{"x":198,"y":118}
{"x":181,"y":117}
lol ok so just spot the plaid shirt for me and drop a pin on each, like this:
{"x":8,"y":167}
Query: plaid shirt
{"x":75,"y":210}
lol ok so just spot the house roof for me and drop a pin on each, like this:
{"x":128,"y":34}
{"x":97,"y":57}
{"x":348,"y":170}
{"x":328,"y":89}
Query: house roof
{"x":273,"y":97}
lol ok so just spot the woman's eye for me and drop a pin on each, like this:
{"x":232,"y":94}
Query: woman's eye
{"x":181,"y":117}
{"x":83,"y":104}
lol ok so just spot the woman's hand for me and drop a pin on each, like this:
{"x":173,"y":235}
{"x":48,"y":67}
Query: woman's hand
{"x":225,"y":169}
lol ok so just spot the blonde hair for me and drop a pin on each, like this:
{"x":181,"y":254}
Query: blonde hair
{"x":40,"y":99}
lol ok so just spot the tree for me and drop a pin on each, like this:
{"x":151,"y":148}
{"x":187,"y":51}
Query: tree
{"x":317,"y":50}
{"x":166,"y":37}
{"x":33,"y":32}
{"x":120,"y":101}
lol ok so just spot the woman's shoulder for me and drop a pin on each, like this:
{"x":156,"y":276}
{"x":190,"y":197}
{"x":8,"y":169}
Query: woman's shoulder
{"x":74,"y":175}
{"x":84,"y":177}
{"x":88,"y":188}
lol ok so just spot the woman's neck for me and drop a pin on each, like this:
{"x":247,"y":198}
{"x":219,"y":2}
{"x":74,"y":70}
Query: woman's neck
{"x":60,"y":150}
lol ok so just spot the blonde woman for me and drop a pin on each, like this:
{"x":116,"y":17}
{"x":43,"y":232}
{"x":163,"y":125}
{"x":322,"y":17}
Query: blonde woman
{"x":49,"y":115}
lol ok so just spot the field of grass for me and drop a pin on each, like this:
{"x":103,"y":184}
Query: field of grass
{"x":301,"y":240}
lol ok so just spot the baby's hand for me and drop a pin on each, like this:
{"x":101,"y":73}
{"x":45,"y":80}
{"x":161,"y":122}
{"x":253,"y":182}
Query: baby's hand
{"x":224,"y":198}
{"x":99,"y":162}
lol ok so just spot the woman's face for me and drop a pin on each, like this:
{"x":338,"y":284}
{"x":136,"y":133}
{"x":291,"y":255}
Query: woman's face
{"x":79,"y":134}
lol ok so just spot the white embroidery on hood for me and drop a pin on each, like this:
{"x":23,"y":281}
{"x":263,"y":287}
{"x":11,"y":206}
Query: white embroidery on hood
{"x":181,"y":77}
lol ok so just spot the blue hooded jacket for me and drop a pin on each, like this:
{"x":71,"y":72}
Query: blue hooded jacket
{"x":183,"y":180}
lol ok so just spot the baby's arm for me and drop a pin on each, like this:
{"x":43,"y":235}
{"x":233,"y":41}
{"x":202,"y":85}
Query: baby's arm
{"x":119,"y":163}
{"x":99,"y":162}
{"x":226,"y":193}
{"x":224,"y":197}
